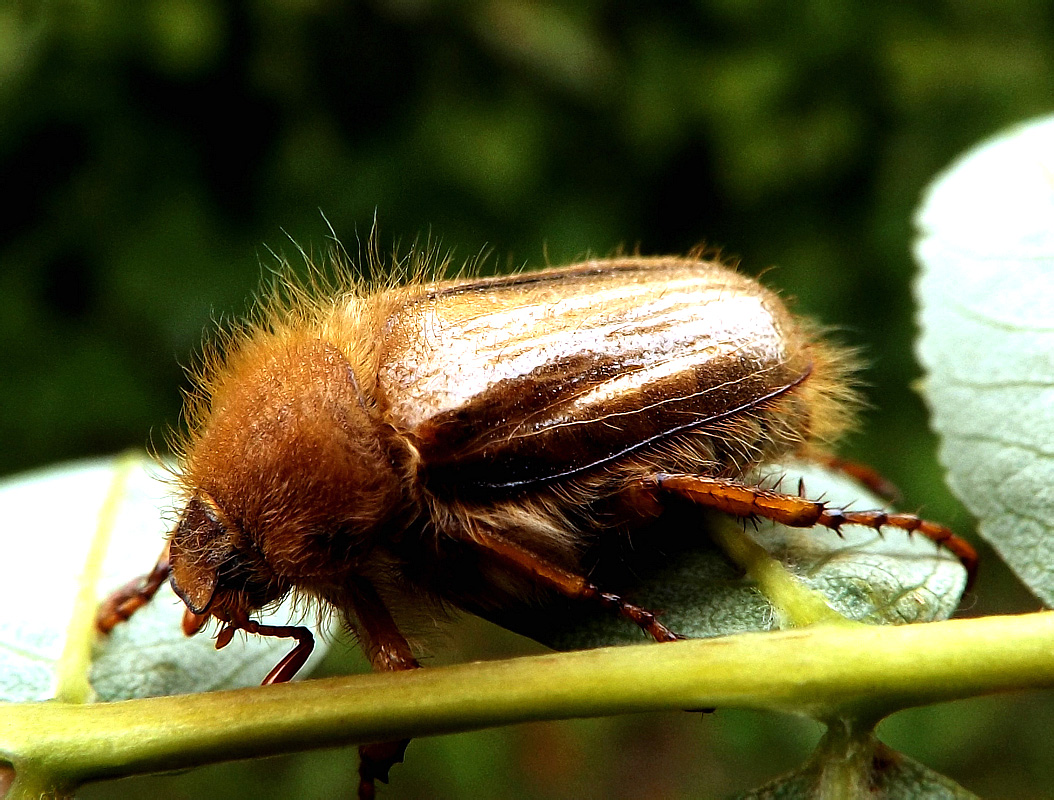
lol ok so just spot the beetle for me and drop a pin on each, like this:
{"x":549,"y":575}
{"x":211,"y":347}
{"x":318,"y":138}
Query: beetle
{"x":360,"y":447}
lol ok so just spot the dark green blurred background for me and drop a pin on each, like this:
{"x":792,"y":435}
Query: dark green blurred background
{"x":151,"y":153}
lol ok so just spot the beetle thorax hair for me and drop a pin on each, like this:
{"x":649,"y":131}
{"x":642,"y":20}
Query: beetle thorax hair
{"x":292,"y":459}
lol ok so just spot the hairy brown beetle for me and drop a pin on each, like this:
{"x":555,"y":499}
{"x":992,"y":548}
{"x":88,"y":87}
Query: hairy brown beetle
{"x":354,"y":447}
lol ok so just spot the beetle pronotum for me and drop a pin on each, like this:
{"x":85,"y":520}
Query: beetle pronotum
{"x":352,"y":445}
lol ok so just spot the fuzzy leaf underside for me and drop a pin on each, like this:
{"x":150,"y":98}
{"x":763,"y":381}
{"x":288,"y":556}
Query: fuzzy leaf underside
{"x":986,"y":298}
{"x":72,"y":534}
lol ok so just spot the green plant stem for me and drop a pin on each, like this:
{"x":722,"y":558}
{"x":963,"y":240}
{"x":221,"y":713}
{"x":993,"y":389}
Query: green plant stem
{"x":828,"y":672}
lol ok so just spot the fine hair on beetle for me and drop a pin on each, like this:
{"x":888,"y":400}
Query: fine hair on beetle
{"x":293,"y":304}
{"x":391,"y":449}
{"x":301,"y":328}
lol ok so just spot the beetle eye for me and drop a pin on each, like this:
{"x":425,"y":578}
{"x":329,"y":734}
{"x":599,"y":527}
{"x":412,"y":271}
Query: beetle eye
{"x":199,"y":546}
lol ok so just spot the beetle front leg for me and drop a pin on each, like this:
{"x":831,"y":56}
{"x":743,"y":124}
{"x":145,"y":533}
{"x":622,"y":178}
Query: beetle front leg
{"x":387,"y":650}
{"x":286,"y":669}
{"x":740,"y":500}
{"x":120,"y":605}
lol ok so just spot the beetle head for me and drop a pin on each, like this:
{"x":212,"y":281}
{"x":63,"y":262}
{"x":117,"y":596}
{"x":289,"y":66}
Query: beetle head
{"x":210,"y":570}
{"x":288,"y":481}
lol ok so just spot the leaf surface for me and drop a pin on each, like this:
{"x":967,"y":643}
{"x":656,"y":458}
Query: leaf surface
{"x":72,"y":534}
{"x":986,"y":310}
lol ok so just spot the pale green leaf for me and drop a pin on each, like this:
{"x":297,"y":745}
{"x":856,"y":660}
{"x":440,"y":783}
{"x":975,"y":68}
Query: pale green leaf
{"x":986,"y":297}
{"x":72,"y":534}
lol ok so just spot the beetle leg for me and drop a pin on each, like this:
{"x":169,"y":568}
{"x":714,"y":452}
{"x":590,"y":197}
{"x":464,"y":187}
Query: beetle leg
{"x":286,"y":669}
{"x":569,"y":584}
{"x":870,"y":478}
{"x":387,"y":650}
{"x":799,"y":512}
{"x":384,"y":643}
{"x":295,"y":659}
{"x":123,"y":603}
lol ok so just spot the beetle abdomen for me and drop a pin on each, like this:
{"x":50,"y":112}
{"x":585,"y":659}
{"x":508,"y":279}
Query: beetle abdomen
{"x":518,"y":381}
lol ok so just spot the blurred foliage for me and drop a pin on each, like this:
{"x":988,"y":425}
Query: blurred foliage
{"x":153,"y":152}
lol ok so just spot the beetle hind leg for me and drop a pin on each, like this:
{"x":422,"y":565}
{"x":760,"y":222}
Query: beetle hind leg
{"x":748,"y":502}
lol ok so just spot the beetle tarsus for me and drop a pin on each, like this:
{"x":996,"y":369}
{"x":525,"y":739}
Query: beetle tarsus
{"x":375,"y":762}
